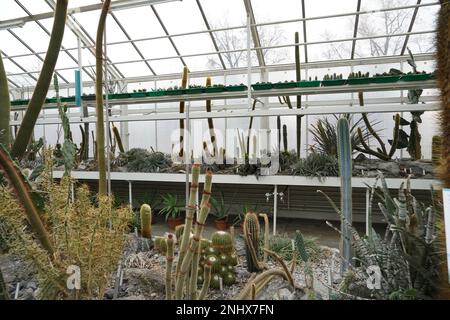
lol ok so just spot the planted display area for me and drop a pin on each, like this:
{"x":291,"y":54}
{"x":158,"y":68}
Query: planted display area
{"x":192,"y":224}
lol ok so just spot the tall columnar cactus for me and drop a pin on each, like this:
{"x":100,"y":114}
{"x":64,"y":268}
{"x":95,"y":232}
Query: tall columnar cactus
{"x":443,"y":79}
{"x":45,"y":77}
{"x":345,"y":171}
{"x":184,"y":243}
{"x":118,"y":138}
{"x":146,"y":221}
{"x":285,"y":141}
{"x":298,"y":77}
{"x":22,"y":191}
{"x":82,"y":153}
{"x":436,"y":151}
{"x":212,"y":132}
{"x":169,"y":262}
{"x":100,"y":126}
{"x":5,"y":106}
{"x":194,"y":247}
{"x":184,"y":82}
{"x":251,"y":236}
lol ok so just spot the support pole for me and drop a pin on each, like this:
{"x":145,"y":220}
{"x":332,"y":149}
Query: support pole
{"x":368,"y":213}
{"x":106,"y":110}
{"x":130,"y":195}
{"x":275,"y":207}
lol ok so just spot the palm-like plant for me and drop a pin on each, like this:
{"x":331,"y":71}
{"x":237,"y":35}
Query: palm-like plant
{"x":171,"y":207}
{"x":324,"y":135}
{"x":220,"y":208}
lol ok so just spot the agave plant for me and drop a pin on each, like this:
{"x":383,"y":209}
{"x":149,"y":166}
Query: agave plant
{"x":317,"y":165}
{"x":324,"y":134}
{"x":406,"y":255}
{"x":171,"y":206}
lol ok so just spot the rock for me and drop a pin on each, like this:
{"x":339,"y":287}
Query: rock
{"x":284,"y":294}
{"x":153,"y":295}
{"x":28,"y":294}
{"x":109,"y":294}
{"x":31,"y":285}
{"x":390,"y":167}
{"x":360,"y":157}
{"x":137,"y":297}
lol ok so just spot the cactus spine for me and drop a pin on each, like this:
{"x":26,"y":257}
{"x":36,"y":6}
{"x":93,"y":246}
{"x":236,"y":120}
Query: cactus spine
{"x":146,"y":221}
{"x":222,"y":242}
{"x":100,"y":126}
{"x":345,"y":171}
{"x":436,"y":151}
{"x":45,"y":77}
{"x":251,"y":236}
{"x":5,"y":106}
{"x":169,"y":262}
{"x":184,"y":81}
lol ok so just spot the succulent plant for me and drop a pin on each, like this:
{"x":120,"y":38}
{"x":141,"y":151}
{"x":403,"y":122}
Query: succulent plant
{"x":146,"y":221}
{"x":222,"y":242}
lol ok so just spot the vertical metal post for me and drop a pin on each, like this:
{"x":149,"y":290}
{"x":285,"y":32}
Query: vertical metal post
{"x":275,"y":207}
{"x":187,"y":150}
{"x":368,"y":213}
{"x":249,"y":63}
{"x":306,"y":119}
{"x":130,"y":195}
{"x":402,"y":96}
{"x":106,"y":108}
{"x":156,"y":121}
{"x":80,"y":68}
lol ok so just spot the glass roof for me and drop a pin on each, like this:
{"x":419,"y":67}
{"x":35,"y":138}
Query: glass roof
{"x":154,"y":40}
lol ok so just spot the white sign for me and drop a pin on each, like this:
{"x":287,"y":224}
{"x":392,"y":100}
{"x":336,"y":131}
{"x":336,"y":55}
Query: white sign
{"x":446,"y":197}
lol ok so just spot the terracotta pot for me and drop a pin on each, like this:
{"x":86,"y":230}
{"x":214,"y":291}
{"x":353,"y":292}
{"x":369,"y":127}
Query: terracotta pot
{"x":221,"y":224}
{"x":173,"y":223}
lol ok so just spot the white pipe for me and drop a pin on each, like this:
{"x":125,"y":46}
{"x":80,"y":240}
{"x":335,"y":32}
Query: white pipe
{"x":275,"y":205}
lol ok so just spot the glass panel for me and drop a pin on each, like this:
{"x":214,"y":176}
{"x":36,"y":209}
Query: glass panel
{"x":198,"y":43}
{"x":156,"y":48}
{"x":329,"y":51}
{"x":180,"y":17}
{"x":13,"y":46}
{"x":314,"y":8}
{"x":379,"y":47}
{"x":31,"y":63}
{"x":33,"y":36}
{"x":224,"y":13}
{"x":148,"y":25}
{"x":10,"y":10}
{"x":202,"y":63}
{"x":81,"y":3}
{"x":69,"y":40}
{"x":134,"y":69}
{"x":122,"y":52}
{"x":167,"y":66}
{"x":35,"y":6}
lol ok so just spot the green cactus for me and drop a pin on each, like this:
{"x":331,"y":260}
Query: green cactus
{"x":100,"y":126}
{"x":160,"y":244}
{"x":169,"y":262}
{"x":184,"y":81}
{"x":345,"y":172}
{"x":5,"y":107}
{"x":179,"y":232}
{"x":146,"y":221}
{"x":300,"y":246}
{"x":285,"y":141}
{"x":22,"y":191}
{"x":82,"y":153}
{"x":206,"y":282}
{"x":436,"y":151}
{"x":118,"y":138}
{"x":251,"y":236}
{"x":222,"y":241}
{"x":45,"y":77}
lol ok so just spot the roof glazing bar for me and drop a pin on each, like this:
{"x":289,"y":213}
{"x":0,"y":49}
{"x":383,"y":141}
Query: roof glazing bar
{"x":411,"y":25}
{"x":355,"y":31}
{"x":255,"y":35}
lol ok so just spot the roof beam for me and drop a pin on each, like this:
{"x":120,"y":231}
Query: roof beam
{"x":210,"y":33}
{"x":255,"y":34}
{"x":411,"y":25}
{"x":132,"y":42}
{"x":355,"y":30}
{"x":168,"y":35}
{"x":304,"y":31}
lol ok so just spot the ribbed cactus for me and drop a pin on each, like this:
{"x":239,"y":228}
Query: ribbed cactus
{"x":443,"y":80}
{"x":160,"y":244}
{"x":285,"y":141}
{"x":45,"y":77}
{"x":5,"y":106}
{"x":21,"y":189}
{"x":169,"y":262}
{"x":222,"y":241}
{"x":184,"y":81}
{"x":146,"y":221}
{"x":179,"y":232}
{"x":300,"y":246}
{"x":345,"y":172}
{"x":100,"y":125}
{"x":82,"y":153}
{"x":251,"y":236}
{"x":298,"y":77}
{"x":436,"y":151}
{"x":118,"y":138}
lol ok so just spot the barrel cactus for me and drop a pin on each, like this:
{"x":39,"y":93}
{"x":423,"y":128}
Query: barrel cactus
{"x":146,"y":221}
{"x":222,"y":242}
{"x":251,"y":236}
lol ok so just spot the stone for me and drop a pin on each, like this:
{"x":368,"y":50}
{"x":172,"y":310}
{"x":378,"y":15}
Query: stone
{"x":31,"y":285}
{"x":109,"y":294}
{"x":284,"y":294}
{"x":360,"y":157}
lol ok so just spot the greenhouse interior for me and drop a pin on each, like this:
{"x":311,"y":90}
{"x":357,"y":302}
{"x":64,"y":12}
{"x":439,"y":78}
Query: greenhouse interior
{"x":224,"y":150}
